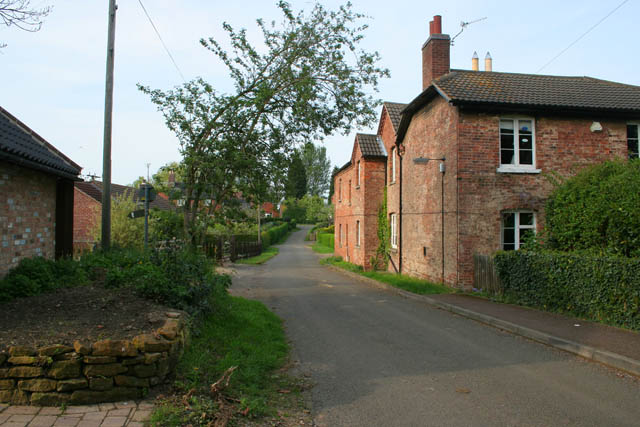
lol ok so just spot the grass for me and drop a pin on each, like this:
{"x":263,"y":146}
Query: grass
{"x":411,"y":284}
{"x":321,"y":249}
{"x":265,"y":256}
{"x":248,"y":336}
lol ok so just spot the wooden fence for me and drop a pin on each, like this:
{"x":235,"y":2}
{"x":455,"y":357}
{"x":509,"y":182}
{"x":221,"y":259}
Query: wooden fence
{"x":485,"y":276}
{"x":231,"y":248}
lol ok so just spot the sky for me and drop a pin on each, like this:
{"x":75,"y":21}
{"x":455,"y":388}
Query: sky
{"x":53,"y":80}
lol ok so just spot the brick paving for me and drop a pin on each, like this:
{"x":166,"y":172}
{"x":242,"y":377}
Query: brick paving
{"x":120,"y":414}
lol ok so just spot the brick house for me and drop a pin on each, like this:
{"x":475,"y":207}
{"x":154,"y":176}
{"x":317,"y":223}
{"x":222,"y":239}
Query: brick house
{"x":473,"y":149}
{"x":87,"y":208}
{"x":36,"y":195}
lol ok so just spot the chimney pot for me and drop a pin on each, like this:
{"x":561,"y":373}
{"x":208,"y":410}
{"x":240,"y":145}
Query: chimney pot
{"x":430,"y":27}
{"x":437,"y":24}
{"x":475,"y":62}
{"x":488,"y":62}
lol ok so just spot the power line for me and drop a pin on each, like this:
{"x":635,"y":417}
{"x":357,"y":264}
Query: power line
{"x":162,"y":41}
{"x":584,"y":34}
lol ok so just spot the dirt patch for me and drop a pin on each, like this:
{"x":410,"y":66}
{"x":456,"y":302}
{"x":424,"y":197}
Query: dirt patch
{"x":80,"y":313}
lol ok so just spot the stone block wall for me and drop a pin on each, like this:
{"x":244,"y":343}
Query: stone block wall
{"x":27,"y":215}
{"x":102,"y":371}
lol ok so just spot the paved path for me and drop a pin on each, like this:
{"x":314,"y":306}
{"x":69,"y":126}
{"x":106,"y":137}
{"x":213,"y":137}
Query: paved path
{"x":378,"y":359}
{"x":130,"y":414}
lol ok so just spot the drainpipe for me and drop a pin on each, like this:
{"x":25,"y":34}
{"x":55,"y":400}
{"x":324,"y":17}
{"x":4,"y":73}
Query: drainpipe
{"x":400,"y":216}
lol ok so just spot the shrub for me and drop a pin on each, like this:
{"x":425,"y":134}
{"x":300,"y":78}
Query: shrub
{"x":598,"y":210}
{"x":326,"y":239}
{"x":275,"y":234}
{"x":34,"y":276}
{"x":601,"y":288}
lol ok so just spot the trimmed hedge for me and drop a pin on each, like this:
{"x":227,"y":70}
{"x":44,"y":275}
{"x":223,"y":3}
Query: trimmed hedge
{"x":274,"y":234}
{"x":604,"y":289}
{"x":326,"y":239}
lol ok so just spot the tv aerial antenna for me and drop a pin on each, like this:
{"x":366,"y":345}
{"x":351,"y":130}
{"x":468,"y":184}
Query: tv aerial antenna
{"x":464,"y":25}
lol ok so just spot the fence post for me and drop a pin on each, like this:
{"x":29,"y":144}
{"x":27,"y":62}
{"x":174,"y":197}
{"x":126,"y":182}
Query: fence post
{"x":234,"y":253}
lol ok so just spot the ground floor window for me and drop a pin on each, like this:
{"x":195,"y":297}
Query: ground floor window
{"x":340,"y":235}
{"x":358,"y":233}
{"x":394,"y":231}
{"x":516,"y":226}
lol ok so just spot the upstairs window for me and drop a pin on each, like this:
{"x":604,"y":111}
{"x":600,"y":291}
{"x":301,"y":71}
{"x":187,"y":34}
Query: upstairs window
{"x":339,"y":190}
{"x":349,"y":191}
{"x":516,"y":226}
{"x":393,"y":165}
{"x":358,"y":179}
{"x":517,"y":144}
{"x":632,"y":140}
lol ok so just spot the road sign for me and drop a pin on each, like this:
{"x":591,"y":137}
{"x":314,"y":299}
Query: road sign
{"x":136,"y":214}
{"x":141,"y":193}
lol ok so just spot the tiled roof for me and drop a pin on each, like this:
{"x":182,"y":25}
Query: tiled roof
{"x":370,"y":145}
{"x":93,"y":189}
{"x":395,"y":113}
{"x":573,"y":93}
{"x":21,"y":145}
{"x":528,"y":92}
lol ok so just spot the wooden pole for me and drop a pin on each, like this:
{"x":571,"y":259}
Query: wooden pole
{"x":108,"y":108}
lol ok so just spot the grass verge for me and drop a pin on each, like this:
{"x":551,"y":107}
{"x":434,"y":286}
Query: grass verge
{"x":321,"y":249}
{"x":411,"y":284}
{"x":247,"y":336}
{"x":265,"y":256}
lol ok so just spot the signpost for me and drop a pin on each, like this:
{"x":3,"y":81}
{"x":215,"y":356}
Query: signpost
{"x":146,"y":194}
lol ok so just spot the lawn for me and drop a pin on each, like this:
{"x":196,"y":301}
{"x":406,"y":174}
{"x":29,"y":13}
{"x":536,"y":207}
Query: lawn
{"x":265,"y":256}
{"x":411,"y":284}
{"x":321,"y":249}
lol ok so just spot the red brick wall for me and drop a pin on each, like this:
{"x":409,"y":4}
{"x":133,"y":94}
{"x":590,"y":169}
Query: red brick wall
{"x":388,"y":135}
{"x":435,"y":58}
{"x":27,"y":215}
{"x":344,"y":210}
{"x":563,"y":146}
{"x":86,"y":215}
{"x":431,"y":134}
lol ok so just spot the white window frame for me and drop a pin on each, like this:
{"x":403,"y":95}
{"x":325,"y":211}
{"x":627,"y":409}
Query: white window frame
{"x":358,"y":179}
{"x":358,"y":233}
{"x":516,"y":167}
{"x":516,"y":226}
{"x":394,"y":231}
{"x":637,"y":125}
{"x":393,"y":165}
{"x":339,"y":235}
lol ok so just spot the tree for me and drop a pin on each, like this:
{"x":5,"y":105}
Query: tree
{"x":22,"y":15}
{"x":597,"y":210}
{"x":331,"y":184}
{"x":318,"y":169}
{"x":296,"y":186}
{"x":125,"y":232}
{"x":309,"y":80}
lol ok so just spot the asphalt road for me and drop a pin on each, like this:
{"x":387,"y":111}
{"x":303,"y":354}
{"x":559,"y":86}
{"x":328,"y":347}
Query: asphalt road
{"x":378,"y":359}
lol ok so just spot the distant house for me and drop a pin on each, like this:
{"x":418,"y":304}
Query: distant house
{"x":467,"y":159}
{"x":36,"y":195}
{"x":88,"y":205}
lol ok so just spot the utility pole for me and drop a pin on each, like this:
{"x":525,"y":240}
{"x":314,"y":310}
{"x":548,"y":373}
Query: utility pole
{"x":108,"y":109}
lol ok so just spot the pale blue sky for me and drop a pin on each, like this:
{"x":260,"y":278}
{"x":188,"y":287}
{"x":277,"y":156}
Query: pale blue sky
{"x":53,"y":80}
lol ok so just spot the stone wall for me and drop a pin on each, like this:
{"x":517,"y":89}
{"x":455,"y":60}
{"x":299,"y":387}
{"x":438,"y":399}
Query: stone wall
{"x":102,"y":371}
{"x":27,"y":215}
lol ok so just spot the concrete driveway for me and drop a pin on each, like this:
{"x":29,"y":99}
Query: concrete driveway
{"x":378,"y":359}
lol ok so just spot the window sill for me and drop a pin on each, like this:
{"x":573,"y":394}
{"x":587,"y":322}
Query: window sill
{"x":357,"y":246}
{"x":392,"y":182}
{"x":357,"y":187}
{"x":517,"y":169}
{"x":394,"y":250}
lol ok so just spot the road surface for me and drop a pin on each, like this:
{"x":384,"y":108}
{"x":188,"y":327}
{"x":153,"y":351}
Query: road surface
{"x":378,"y":359}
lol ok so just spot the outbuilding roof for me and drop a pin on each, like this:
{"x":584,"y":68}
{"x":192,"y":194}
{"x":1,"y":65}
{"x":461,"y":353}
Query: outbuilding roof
{"x":394,"y":109}
{"x":93,"y":189}
{"x":370,"y":145}
{"x":21,"y":145}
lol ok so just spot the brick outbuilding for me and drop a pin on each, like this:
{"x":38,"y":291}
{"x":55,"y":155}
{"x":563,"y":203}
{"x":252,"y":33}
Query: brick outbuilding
{"x":474,"y":151}
{"x":36,"y":195}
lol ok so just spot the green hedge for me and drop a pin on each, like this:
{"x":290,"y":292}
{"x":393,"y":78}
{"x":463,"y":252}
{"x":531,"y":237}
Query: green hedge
{"x":275,"y":234}
{"x":326,"y":239}
{"x":605,"y":289}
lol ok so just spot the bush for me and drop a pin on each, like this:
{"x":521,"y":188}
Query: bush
{"x":34,"y":276}
{"x":601,"y":288}
{"x":326,"y":239}
{"x":598,"y":210}
{"x":275,"y":234}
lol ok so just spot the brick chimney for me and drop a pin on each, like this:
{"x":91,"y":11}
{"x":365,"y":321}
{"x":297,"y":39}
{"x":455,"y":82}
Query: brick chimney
{"x":172,"y":179}
{"x":435,"y":53}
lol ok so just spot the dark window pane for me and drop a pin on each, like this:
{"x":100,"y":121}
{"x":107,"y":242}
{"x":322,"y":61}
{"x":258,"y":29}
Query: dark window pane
{"x":509,"y":247}
{"x":506,"y":157}
{"x":526,"y":218}
{"x":525,"y":142}
{"x":508,"y":220}
{"x":632,"y":131}
{"x":506,"y":141}
{"x":632,"y":145}
{"x":526,"y":157}
{"x":506,"y":126}
{"x":509,"y":236}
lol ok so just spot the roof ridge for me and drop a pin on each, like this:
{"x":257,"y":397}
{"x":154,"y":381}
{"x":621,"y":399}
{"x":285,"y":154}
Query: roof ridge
{"x":459,"y":70}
